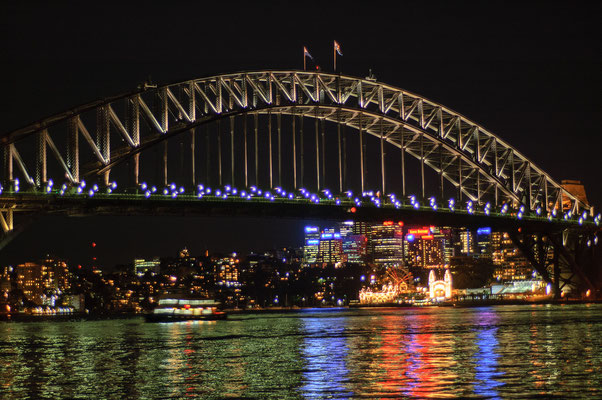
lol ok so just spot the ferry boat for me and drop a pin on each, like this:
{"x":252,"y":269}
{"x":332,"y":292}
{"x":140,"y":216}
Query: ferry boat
{"x":177,"y":309}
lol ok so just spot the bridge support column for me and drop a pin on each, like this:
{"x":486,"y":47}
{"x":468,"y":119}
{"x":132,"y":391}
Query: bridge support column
{"x":339,"y":149}
{"x":192,"y":157}
{"x":361,"y":153}
{"x":256,"y":121}
{"x":165,"y":178}
{"x":219,"y":152}
{"x":269,"y":149}
{"x":382,"y":158}
{"x":279,"y":129}
{"x":232,"y":164}
{"x":317,"y":129}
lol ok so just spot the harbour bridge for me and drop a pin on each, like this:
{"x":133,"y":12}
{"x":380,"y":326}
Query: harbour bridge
{"x":296,"y":144}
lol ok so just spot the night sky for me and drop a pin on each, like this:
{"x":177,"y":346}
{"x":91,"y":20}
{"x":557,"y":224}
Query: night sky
{"x":530,"y":73}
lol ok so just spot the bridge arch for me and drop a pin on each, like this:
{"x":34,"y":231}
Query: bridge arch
{"x":478,"y":163}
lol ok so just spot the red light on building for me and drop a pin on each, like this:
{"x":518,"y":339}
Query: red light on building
{"x":421,"y":231}
{"x":400,"y":223}
{"x":387,"y":223}
{"x":353,"y":209}
{"x":93,"y":244}
{"x":427,"y":237}
{"x":187,"y":306}
{"x":79,"y":267}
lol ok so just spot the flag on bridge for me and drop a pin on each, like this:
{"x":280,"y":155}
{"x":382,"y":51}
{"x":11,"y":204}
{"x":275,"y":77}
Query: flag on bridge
{"x":337,"y":50}
{"x":306,"y":54}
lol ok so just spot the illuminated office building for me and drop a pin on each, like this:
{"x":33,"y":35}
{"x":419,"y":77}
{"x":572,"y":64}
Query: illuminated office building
{"x":510,"y":263}
{"x":312,"y":245}
{"x":331,"y":247}
{"x":386,"y":243}
{"x":483,"y":242}
{"x":355,"y":248}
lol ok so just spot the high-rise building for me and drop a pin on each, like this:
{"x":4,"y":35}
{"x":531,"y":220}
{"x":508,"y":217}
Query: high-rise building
{"x":483,"y":242}
{"x":510,"y":263}
{"x":385,"y":242}
{"x":312,"y":245}
{"x":354,"y":248}
{"x":30,"y":279}
{"x":425,"y":247}
{"x":331,"y":247}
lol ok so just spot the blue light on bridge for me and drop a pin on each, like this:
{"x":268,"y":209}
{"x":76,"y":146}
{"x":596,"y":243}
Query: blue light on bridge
{"x":143,"y":186}
{"x":451,"y":204}
{"x":147,"y":194}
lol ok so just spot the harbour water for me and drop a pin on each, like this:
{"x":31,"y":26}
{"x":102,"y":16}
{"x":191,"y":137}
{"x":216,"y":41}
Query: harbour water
{"x":544,"y":351}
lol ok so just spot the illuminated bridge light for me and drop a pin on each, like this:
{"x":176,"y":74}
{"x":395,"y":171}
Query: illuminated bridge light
{"x":291,"y":196}
{"x":109,"y":190}
{"x":50,"y":182}
{"x":595,"y":239}
{"x":79,"y":189}
{"x":349,"y":193}
{"x":172,"y":186}
{"x":147,"y":194}
{"x":154,"y":189}
{"x":82,"y":184}
{"x":538,"y":211}
{"x":554,"y":213}
{"x":584,"y":215}
{"x":181,"y":189}
{"x":412,"y":199}
{"x":550,"y":217}
{"x":200,"y":187}
{"x":95,"y":188}
{"x":451,"y":204}
{"x":174,"y":195}
{"x":200,"y":195}
{"x":218,"y":193}
{"x":113,"y":185}
{"x":249,"y":197}
{"x":519,"y":215}
{"x":143,"y":186}
{"x":91,"y":192}
{"x":208,"y":190}
{"x":234,"y":191}
{"x":416,"y":205}
{"x":504,"y":209}
{"x":227,"y":188}
{"x":253,"y":189}
{"x":580,"y":220}
{"x":337,"y":202}
{"x":165,"y":191}
{"x":589,"y":243}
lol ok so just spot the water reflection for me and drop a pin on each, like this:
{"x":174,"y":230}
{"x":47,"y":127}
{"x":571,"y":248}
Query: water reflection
{"x":324,"y":352}
{"x":496,"y":352}
{"x":486,"y":357}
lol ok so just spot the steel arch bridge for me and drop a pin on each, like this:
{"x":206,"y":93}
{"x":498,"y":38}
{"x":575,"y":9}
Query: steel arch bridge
{"x":467,"y":175}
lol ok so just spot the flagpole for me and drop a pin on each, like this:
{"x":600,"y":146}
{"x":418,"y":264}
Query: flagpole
{"x":334,"y":54}
{"x":304,"y":67}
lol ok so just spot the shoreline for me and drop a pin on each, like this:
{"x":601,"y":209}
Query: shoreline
{"x":82,"y":316}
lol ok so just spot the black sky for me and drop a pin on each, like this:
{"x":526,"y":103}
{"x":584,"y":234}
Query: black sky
{"x":530,"y":73}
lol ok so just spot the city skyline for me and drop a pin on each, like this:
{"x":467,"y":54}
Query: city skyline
{"x":63,"y":80}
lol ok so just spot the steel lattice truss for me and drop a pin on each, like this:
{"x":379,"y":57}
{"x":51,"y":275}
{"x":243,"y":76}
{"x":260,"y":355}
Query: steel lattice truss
{"x":478,"y":163}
